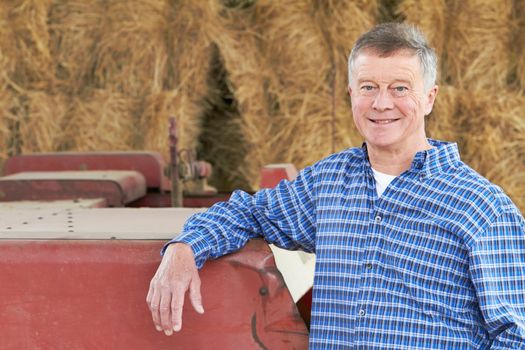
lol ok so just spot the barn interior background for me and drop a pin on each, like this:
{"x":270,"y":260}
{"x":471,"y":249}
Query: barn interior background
{"x":250,"y":82}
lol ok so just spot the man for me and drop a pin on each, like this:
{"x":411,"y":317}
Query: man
{"x":414,"y":250}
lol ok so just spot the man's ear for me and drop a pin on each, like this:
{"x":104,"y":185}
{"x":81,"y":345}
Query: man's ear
{"x":431,"y":98}
{"x":349,"y":90}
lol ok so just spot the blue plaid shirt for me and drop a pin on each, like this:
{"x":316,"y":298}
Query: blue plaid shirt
{"x":438,"y":262}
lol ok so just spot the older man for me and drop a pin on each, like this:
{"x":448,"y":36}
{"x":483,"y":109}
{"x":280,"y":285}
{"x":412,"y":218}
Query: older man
{"x":414,"y":249}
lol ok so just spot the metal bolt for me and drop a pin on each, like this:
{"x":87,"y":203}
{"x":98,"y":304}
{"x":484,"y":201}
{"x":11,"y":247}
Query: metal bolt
{"x":263,"y":291}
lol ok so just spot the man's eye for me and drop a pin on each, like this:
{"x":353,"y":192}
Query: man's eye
{"x":367,"y":88}
{"x":401,"y":88}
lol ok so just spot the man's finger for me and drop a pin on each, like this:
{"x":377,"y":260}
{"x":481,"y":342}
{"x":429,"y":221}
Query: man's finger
{"x":165,"y":311}
{"x":195,"y":294}
{"x":154,"y":304}
{"x":177,"y":303}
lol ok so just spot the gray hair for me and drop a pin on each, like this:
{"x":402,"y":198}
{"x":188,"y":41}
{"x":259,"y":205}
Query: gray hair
{"x":388,"y":38}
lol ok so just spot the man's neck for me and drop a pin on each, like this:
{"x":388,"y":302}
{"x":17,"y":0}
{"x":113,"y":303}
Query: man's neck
{"x":394,"y":161}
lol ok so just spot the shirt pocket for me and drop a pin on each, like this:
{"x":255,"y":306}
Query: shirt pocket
{"x":431,"y":267}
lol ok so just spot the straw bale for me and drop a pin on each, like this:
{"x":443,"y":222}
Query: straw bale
{"x":221,"y":142}
{"x":369,"y":7}
{"x":131,"y":56}
{"x":519,"y":40}
{"x":29,"y":43}
{"x":7,"y":64}
{"x":185,"y":81}
{"x":495,"y":145}
{"x":7,"y":124}
{"x":7,"y":61}
{"x":76,"y":28}
{"x":296,"y":52}
{"x":443,"y":123}
{"x":430,"y":16}
{"x":40,"y":116}
{"x":100,"y":120}
{"x":192,"y":52}
{"x":155,"y":121}
{"x":387,"y":11}
{"x":241,"y":4}
{"x":479,"y":43}
{"x":221,"y":131}
{"x":237,"y":37}
{"x":173,"y":86}
{"x":343,"y":22}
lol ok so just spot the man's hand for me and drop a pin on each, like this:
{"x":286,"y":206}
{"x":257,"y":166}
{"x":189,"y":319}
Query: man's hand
{"x":176,"y":274}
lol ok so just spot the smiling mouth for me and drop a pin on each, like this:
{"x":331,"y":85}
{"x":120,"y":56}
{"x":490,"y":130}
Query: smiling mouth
{"x":383,"y":121}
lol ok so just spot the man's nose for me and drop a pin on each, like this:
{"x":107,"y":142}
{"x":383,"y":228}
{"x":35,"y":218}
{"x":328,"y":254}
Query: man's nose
{"x":383,"y":101}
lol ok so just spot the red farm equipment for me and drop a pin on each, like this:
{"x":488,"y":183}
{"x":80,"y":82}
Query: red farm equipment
{"x":80,"y":235}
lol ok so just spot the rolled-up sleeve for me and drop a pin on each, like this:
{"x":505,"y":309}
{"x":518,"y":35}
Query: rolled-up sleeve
{"x":284,"y":216}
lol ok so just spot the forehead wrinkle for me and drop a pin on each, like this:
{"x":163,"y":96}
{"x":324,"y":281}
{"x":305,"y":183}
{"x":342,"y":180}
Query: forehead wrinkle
{"x":390,"y":77}
{"x":367,"y":70}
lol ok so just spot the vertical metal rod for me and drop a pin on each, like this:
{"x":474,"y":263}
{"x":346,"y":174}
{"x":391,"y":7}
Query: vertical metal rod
{"x":176,"y":183}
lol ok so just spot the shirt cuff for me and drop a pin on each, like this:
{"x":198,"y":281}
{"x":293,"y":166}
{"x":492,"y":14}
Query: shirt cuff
{"x":199,"y":246}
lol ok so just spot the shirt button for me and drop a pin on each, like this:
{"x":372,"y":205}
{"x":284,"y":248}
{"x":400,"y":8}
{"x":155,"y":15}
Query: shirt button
{"x":378,"y":219}
{"x":369,"y":266}
{"x":362,"y":312}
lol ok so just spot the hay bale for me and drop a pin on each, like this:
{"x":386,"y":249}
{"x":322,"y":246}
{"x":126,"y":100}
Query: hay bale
{"x":98,"y":121}
{"x":518,"y":63}
{"x":132,"y":54}
{"x":237,"y":37}
{"x":154,"y":121}
{"x":496,"y":138}
{"x":40,"y":117}
{"x":221,"y":130}
{"x":369,"y":7}
{"x":185,"y":81}
{"x":28,"y":46}
{"x":7,"y":124}
{"x":343,"y":22}
{"x":221,"y":141}
{"x":430,"y":16}
{"x":7,"y":59}
{"x":191,"y":52}
{"x":479,"y":44}
{"x":297,"y":54}
{"x":153,"y":52}
{"x":443,"y":123}
{"x":76,"y":28}
{"x":279,"y":65}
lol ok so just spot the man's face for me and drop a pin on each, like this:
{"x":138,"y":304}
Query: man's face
{"x":389,"y":101}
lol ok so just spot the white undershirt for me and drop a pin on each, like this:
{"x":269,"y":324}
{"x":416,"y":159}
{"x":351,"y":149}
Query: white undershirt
{"x":382,"y":181}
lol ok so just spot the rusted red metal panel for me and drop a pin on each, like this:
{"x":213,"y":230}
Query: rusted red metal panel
{"x":149,"y":164}
{"x":117,"y":187}
{"x":159,"y":200}
{"x":272,"y":174}
{"x":67,"y":294}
